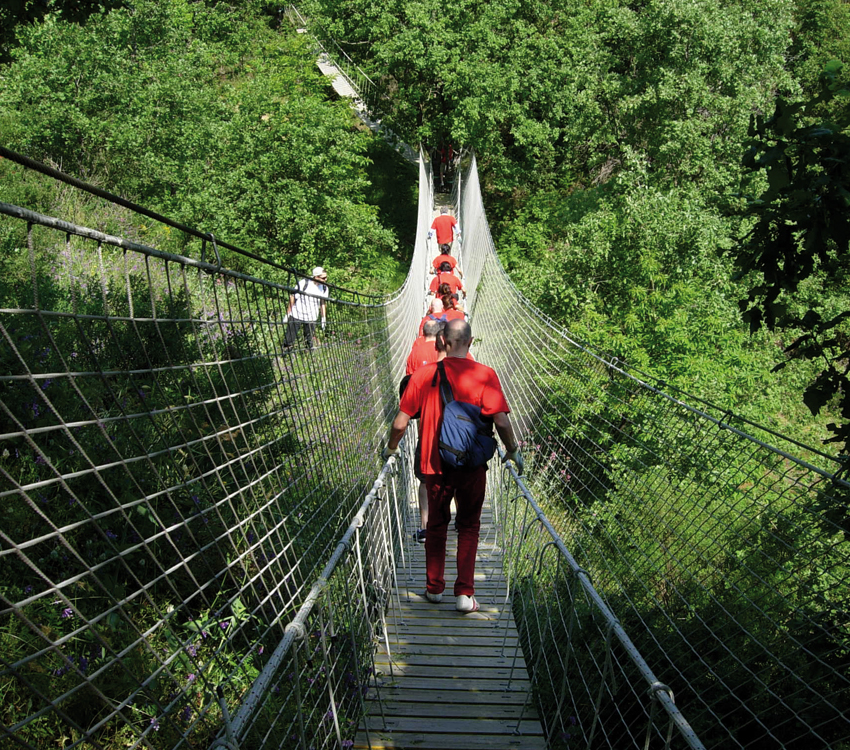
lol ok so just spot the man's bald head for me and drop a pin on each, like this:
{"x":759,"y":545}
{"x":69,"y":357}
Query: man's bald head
{"x":458,"y":334}
{"x":436,"y":305}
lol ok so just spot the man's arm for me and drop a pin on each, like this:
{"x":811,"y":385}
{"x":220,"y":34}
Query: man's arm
{"x":397,"y":430}
{"x":291,"y":303}
{"x":506,"y":431}
{"x":399,"y":427}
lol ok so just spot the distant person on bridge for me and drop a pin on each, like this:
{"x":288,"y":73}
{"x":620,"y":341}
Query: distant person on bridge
{"x":445,"y":276}
{"x":424,"y":352}
{"x":475,"y":384}
{"x":305,"y":307}
{"x":446,"y":228}
{"x":446,"y":256}
{"x":442,"y":308}
{"x":452,"y":309}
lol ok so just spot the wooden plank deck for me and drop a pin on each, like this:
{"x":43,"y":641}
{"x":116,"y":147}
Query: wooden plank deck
{"x":451,"y":681}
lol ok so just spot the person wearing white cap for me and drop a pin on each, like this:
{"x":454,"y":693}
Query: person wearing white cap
{"x":305,"y":307}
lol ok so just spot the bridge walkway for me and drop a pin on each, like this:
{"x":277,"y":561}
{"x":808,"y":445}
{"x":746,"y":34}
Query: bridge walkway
{"x":451,"y":681}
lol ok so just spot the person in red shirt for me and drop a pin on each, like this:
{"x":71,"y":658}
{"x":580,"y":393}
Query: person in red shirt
{"x":424,"y":349}
{"x":445,"y":276}
{"x":476,"y":384}
{"x":445,"y":256}
{"x":451,"y":307}
{"x":423,"y":352}
{"x":446,"y":228}
{"x":435,"y":313}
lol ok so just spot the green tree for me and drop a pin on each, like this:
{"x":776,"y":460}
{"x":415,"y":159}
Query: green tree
{"x":210,"y":116}
{"x":795,"y":255}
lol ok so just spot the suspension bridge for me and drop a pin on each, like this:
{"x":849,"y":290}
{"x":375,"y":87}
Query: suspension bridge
{"x":201,"y":549}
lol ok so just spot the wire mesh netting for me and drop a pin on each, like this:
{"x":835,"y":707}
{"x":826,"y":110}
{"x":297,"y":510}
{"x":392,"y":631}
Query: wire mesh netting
{"x":174,"y":477}
{"x":725,"y":560}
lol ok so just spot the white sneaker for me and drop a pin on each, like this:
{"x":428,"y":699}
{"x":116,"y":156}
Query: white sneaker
{"x":466,"y":604}
{"x":434,"y":598}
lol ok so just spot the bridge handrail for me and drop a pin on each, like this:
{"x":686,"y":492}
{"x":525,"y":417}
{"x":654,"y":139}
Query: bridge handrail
{"x":296,"y":629}
{"x":656,"y":689}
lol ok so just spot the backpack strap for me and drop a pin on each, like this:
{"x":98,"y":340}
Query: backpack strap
{"x":445,"y":388}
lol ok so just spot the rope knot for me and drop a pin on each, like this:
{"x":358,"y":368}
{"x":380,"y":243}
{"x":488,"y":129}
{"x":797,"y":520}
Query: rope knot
{"x":297,"y":629}
{"x":660,"y":687}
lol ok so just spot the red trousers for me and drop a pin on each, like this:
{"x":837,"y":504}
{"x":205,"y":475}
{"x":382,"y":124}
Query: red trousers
{"x":468,"y":488}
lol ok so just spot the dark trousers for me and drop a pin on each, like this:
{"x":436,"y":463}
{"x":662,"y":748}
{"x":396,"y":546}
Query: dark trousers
{"x":292,"y":327}
{"x":468,"y":488}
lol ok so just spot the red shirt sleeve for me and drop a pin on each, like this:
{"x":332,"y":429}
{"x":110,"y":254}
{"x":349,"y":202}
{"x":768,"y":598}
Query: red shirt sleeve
{"x":411,"y":400}
{"x":492,"y":399}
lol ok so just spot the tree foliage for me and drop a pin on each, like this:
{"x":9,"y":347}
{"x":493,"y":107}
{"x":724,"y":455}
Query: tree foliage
{"x":209,"y":115}
{"x":802,"y":232}
{"x":609,"y":136}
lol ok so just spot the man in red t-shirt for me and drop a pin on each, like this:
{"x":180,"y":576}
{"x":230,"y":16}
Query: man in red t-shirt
{"x":423,"y":352}
{"x":424,"y":349}
{"x":476,"y":384}
{"x":446,"y":227}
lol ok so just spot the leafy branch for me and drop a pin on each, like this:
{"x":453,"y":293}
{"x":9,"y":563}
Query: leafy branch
{"x":802,"y":231}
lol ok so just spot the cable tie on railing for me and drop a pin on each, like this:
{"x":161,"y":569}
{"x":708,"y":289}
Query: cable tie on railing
{"x":660,"y":687}
{"x":723,"y":424}
{"x":543,"y":552}
{"x":576,"y":572}
{"x":297,"y":629}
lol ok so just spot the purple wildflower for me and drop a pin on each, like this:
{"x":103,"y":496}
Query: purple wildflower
{"x":190,"y":677}
{"x":111,"y":534}
{"x":347,"y":744}
{"x":224,"y":625}
{"x":191,"y":650}
{"x":67,"y":613}
{"x":155,"y":724}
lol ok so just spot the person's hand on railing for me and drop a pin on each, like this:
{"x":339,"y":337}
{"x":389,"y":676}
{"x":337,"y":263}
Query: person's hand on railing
{"x":515,"y":456}
{"x":388,"y":452}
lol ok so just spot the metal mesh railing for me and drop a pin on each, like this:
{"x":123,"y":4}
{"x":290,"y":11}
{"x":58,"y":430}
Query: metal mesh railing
{"x":725,"y":560}
{"x":172,"y":479}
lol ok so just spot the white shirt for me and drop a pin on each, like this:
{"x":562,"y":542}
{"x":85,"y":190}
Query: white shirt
{"x":306,"y":308}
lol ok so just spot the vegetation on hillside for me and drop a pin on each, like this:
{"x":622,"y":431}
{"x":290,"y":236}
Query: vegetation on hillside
{"x":610,"y":136}
{"x":213,"y":116}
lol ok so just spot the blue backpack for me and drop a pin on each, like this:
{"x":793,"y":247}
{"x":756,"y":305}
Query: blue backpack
{"x":466,"y":437}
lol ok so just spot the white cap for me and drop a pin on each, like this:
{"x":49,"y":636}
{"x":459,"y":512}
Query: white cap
{"x":319,"y":271}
